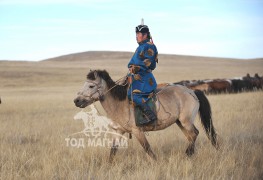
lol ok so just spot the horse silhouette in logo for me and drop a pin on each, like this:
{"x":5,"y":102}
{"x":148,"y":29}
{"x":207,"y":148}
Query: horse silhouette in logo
{"x":95,"y":125}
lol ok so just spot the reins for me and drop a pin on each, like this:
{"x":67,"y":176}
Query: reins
{"x":103,"y":94}
{"x":117,"y":84}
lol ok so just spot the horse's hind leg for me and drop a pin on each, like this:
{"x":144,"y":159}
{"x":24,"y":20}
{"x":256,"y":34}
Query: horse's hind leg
{"x":145,"y":144}
{"x":191,"y":134}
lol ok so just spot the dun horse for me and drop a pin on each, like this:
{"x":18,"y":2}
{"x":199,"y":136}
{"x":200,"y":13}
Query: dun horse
{"x":175,"y":104}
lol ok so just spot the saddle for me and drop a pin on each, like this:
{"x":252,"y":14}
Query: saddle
{"x":138,"y":114}
{"x":151,"y":103}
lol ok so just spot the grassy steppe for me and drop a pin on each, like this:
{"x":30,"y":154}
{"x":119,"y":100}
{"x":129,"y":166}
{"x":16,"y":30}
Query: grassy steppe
{"x":37,"y":110}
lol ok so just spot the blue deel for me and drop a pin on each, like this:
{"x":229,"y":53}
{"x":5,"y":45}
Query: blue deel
{"x":143,"y":81}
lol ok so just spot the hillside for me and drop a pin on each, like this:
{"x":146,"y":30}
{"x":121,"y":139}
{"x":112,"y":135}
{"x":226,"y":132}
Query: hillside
{"x":92,"y":55}
{"x":100,"y":55}
{"x":71,"y":69}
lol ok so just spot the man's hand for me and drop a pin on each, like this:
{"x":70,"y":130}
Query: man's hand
{"x":122,"y":81}
{"x":134,"y":69}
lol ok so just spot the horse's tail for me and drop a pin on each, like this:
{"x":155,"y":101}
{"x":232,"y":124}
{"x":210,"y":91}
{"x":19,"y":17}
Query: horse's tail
{"x":206,"y":117}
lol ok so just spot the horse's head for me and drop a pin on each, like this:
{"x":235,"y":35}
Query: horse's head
{"x":98,"y":84}
{"x":92,"y":90}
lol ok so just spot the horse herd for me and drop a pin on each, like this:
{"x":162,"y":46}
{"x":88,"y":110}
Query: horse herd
{"x":234,"y":85}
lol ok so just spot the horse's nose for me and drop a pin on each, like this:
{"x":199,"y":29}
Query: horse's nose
{"x":76,"y":101}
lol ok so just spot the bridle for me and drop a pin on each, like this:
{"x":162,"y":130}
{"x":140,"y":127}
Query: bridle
{"x":98,"y":85}
{"x":101,"y":95}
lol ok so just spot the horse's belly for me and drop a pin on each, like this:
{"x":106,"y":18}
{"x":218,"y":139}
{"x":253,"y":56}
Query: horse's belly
{"x":159,"y":124}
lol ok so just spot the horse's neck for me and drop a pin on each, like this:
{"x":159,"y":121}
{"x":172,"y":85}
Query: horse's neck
{"x":113,"y":107}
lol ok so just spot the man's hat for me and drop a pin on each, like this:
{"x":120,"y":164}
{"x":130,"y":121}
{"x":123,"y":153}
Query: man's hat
{"x":142,"y":28}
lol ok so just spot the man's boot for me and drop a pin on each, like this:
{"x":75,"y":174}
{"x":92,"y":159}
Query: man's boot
{"x":150,"y":116}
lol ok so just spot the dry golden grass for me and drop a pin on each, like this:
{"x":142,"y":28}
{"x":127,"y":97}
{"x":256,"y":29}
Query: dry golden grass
{"x":37,"y":110}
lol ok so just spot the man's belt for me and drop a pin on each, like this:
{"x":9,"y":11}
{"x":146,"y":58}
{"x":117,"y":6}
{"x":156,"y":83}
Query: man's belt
{"x":134,"y":69}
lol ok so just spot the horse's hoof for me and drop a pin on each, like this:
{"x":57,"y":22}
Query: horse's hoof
{"x":189,"y":152}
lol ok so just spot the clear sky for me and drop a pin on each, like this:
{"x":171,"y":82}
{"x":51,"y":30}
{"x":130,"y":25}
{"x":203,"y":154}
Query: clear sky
{"x":41,"y":29}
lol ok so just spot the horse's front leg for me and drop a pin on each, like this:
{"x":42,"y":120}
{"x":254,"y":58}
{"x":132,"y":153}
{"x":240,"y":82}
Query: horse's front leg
{"x":113,"y":150}
{"x":115,"y":145}
{"x":144,"y":142}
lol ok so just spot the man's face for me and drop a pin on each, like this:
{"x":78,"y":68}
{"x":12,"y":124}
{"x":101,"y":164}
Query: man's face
{"x":140,"y":37}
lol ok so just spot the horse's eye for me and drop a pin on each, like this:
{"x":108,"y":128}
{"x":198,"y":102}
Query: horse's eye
{"x":91,"y":86}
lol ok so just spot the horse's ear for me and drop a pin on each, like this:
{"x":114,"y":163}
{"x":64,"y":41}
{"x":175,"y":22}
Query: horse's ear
{"x":95,"y":74}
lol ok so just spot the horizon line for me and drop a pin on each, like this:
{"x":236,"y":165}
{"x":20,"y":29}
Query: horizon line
{"x":116,"y":51}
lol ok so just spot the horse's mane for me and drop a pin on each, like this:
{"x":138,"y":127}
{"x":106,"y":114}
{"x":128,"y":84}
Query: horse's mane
{"x":119,"y":91}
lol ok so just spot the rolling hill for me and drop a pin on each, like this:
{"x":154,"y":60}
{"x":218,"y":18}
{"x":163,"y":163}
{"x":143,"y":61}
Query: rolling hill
{"x":100,"y":55}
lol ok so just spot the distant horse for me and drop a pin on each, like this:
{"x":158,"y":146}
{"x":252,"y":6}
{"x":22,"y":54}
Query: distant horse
{"x":184,"y":83}
{"x":219,"y":86}
{"x":256,"y":82}
{"x":202,"y":87}
{"x":176,"y":104}
{"x":260,"y":80}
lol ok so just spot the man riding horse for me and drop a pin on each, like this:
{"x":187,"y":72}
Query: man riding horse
{"x":179,"y":105}
{"x":142,"y":83}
